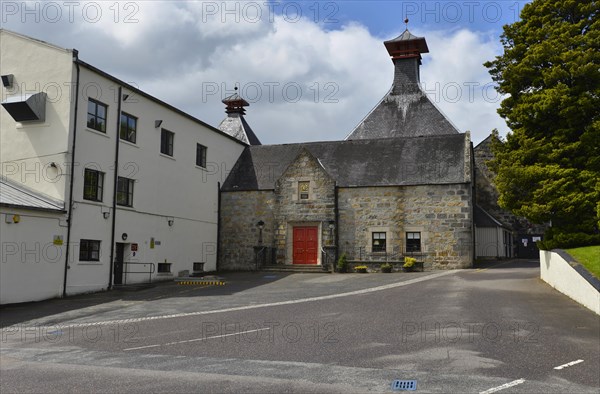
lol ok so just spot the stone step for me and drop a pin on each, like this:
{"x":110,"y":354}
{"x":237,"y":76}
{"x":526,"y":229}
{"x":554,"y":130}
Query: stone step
{"x":317,"y":269}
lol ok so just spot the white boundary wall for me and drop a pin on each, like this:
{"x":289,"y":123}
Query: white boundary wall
{"x":558,"y":273}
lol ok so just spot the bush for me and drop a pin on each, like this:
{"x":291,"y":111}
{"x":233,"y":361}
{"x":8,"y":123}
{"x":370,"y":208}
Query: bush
{"x":361,"y":269}
{"x":342,"y":264}
{"x":387,"y":268}
{"x":568,"y":240}
{"x":409,"y":262}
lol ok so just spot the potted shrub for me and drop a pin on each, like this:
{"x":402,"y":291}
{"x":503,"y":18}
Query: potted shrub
{"x":361,"y":269}
{"x":342,"y":264}
{"x":409,"y":264}
{"x":387,"y":268}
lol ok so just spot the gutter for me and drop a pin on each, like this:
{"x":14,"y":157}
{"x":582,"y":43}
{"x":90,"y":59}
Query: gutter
{"x":72,"y":180}
{"x":115,"y":182}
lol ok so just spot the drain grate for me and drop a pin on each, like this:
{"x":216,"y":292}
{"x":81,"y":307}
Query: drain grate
{"x":404,"y":385}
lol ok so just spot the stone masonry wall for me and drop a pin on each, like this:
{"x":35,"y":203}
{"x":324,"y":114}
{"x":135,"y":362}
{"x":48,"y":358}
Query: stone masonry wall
{"x":442,"y":213}
{"x":319,"y":208}
{"x":240,"y":211}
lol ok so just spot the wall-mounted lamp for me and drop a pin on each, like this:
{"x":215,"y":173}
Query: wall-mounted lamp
{"x":7,"y":80}
{"x":331,"y":225}
{"x":170,"y":221}
{"x":157,"y":123}
{"x":106,"y":213}
{"x":260,"y":226}
{"x":125,"y":97}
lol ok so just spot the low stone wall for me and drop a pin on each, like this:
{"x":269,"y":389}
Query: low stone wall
{"x":561,"y":271}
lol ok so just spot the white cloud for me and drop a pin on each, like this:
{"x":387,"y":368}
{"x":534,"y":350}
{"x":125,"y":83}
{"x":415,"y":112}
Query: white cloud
{"x":177,"y":51}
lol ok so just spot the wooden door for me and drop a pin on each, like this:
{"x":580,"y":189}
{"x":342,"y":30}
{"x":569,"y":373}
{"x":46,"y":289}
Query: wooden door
{"x":306,"y":245}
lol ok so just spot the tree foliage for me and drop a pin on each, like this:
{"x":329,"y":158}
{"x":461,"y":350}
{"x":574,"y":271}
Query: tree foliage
{"x":548,"y":169}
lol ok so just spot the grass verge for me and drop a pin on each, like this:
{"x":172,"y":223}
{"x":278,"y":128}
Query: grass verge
{"x":589,"y":257}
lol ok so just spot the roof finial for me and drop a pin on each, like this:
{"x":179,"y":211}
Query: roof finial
{"x":406,"y":22}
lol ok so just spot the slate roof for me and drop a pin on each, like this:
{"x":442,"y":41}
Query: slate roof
{"x":484,"y":219}
{"x":236,"y":126}
{"x":403,"y":115}
{"x":380,"y":162}
{"x":18,"y":196}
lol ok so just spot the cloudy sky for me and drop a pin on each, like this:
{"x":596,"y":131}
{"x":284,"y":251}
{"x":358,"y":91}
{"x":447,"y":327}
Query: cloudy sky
{"x":310,"y":69}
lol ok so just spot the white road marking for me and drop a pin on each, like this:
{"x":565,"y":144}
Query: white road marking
{"x":196,"y":339}
{"x":568,"y":364}
{"x":504,"y":386}
{"x":242,"y":308}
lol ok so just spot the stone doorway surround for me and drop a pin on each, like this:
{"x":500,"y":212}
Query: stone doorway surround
{"x":289,"y":243}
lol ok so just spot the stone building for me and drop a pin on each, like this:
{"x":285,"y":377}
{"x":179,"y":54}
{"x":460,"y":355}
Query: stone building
{"x":400,"y":184}
{"x":499,"y":232}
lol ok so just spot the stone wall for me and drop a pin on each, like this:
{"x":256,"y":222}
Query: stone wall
{"x":290,"y":210}
{"x":240,"y":212}
{"x":441,"y":213}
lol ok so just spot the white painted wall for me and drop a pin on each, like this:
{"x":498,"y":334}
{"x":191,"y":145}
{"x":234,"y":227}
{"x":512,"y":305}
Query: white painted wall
{"x":165,"y":187}
{"x":31,"y":265}
{"x":37,"y":67}
{"x":557,"y":272}
{"x":490,"y":242}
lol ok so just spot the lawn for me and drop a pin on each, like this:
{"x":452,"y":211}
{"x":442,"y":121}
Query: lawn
{"x":589,"y":257}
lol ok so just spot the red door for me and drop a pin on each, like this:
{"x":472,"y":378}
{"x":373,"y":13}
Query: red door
{"x":306,"y":245}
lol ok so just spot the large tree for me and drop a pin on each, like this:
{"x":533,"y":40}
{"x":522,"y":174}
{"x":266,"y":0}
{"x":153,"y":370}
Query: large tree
{"x":548,"y":169}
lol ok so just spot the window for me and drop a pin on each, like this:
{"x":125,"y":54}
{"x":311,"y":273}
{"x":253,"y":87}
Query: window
{"x":303,"y":190}
{"x":166,"y":142}
{"x":379,"y":242}
{"x":413,"y":242}
{"x":128,"y":127}
{"x":125,"y":191}
{"x":93,"y":182}
{"x":201,"y":155}
{"x":89,"y":250}
{"x":164,"y":267}
{"x":96,"y":117}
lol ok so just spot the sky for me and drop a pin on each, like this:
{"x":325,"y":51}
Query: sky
{"x":311,"y":70}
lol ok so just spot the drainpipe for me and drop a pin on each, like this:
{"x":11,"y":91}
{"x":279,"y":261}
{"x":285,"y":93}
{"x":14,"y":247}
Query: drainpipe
{"x":218,"y":226}
{"x":114,"y":202}
{"x":72,"y":181}
{"x":473,"y":202}
{"x":337,"y":221}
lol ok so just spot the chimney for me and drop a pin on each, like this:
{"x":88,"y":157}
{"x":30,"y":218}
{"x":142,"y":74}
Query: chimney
{"x":405,"y":51}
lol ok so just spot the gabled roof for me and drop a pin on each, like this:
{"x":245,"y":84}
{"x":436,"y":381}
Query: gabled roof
{"x":379,"y":162}
{"x":16,"y":195}
{"x":484,"y":219}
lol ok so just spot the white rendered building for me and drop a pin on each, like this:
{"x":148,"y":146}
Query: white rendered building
{"x":70,"y":133}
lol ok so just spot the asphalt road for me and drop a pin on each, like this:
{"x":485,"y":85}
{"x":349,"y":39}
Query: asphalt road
{"x":497,"y":328}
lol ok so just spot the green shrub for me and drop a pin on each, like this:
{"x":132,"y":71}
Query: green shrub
{"x":386,"y":267}
{"x":568,"y":240}
{"x":342,"y":264}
